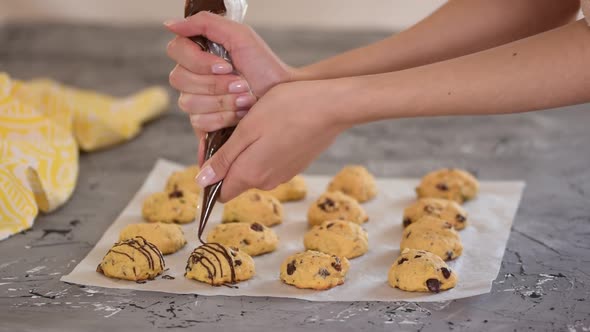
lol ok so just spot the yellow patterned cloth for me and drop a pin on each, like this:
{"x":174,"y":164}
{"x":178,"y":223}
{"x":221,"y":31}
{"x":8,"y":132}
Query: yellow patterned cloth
{"x":43,"y":124}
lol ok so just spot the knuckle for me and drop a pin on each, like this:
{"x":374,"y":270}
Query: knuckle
{"x":183,"y":103}
{"x":211,"y":88}
{"x":173,"y":79}
{"x":170,"y":47}
{"x":221,"y":104}
{"x":222,"y":161}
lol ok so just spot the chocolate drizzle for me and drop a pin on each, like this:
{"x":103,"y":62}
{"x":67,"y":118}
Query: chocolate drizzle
{"x":147,"y":249}
{"x":213,"y":266}
{"x":215,"y":139}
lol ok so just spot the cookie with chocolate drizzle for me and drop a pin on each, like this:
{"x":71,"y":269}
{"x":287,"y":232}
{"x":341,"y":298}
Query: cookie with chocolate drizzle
{"x":134,"y":259}
{"x":217,"y":265}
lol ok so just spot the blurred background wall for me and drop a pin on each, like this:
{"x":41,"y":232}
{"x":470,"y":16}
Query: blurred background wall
{"x":325,"y":14}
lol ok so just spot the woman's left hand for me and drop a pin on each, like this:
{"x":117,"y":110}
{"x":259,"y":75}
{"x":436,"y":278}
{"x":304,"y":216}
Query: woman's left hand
{"x":278,"y":138}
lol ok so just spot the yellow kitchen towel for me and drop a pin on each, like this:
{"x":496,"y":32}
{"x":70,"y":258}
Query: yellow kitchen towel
{"x":43,"y":124}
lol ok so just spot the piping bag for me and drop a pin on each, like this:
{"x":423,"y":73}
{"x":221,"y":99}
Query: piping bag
{"x":234,"y":10}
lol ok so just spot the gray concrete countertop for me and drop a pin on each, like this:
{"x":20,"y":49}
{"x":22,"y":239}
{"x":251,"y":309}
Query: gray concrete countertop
{"x":545,"y":275}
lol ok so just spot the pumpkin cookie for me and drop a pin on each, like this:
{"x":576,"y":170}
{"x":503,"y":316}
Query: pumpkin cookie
{"x":253,"y":206}
{"x":184,"y":180}
{"x":216,"y":264}
{"x":314,"y":270}
{"x":421,"y":271}
{"x":449,"y":183}
{"x":434,"y":235}
{"x":356,"y":182}
{"x":168,"y":238}
{"x":134,"y":259}
{"x":444,"y":209}
{"x":254,"y":239}
{"x":174,"y":207}
{"x":293,"y":190}
{"x":338,"y":237}
{"x":336,"y":206}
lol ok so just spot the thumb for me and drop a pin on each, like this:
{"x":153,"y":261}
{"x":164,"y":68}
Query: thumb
{"x":213,"y":27}
{"x":215,"y":169}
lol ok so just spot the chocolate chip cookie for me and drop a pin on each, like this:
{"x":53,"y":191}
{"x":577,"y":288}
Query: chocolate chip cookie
{"x":293,"y":190}
{"x":253,"y":206}
{"x":314,"y":270}
{"x":355,"y":181}
{"x":169,"y":238}
{"x":449,"y":183}
{"x":254,"y":239}
{"x":444,"y":209}
{"x":133,"y":259}
{"x":216,"y":264}
{"x":421,"y":271}
{"x":434,"y":235}
{"x":338,"y":237}
{"x":336,"y":206}
{"x":179,"y":206}
{"x":184,"y":180}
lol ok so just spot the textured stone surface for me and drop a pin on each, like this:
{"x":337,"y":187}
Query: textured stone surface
{"x":545,"y":276}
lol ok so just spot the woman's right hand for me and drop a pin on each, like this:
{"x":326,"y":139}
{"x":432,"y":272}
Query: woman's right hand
{"x":210,"y":92}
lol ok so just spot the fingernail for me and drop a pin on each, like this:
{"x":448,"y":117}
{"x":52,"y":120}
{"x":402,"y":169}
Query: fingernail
{"x":174,"y":21}
{"x":245,"y":101}
{"x":221,"y":68}
{"x":205,"y":176}
{"x":241,"y":114}
{"x":238,"y":86}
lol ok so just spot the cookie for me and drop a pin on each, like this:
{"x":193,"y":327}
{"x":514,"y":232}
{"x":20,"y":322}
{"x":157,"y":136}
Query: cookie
{"x":254,"y":239}
{"x":133,"y":259}
{"x":336,"y":206}
{"x":356,"y":182}
{"x":174,"y":207}
{"x":253,"y":206}
{"x":434,"y":235}
{"x":184,"y":180}
{"x":421,"y":271}
{"x":293,"y":190}
{"x":216,"y":264}
{"x":449,"y":183}
{"x":314,"y":270}
{"x":168,"y":238}
{"x":337,"y":237}
{"x":445,"y":209}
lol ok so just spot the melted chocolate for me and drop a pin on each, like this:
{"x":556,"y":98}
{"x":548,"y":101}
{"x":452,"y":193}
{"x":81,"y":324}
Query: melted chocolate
{"x":213,"y":267}
{"x":191,"y":7}
{"x":144,"y":247}
{"x":217,"y":138}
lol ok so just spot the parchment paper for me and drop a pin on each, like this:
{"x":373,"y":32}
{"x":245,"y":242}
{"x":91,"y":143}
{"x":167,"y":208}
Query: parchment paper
{"x":484,"y":240}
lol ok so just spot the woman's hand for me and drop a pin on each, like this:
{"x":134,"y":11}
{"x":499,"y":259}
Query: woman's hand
{"x":210,"y":91}
{"x":284,"y":131}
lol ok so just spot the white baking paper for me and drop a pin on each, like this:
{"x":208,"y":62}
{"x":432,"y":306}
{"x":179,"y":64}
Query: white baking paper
{"x":484,"y":240}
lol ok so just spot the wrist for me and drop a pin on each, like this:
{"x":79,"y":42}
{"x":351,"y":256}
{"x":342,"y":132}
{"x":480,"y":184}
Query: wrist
{"x":301,"y":74}
{"x":345,"y":100}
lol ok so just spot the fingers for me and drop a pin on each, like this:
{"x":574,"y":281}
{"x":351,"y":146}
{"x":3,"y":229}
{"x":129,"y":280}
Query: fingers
{"x":201,"y":154}
{"x":190,"y":56}
{"x":214,"y":27}
{"x":186,"y":81}
{"x":214,"y":121}
{"x":215,"y":169}
{"x":201,"y":104}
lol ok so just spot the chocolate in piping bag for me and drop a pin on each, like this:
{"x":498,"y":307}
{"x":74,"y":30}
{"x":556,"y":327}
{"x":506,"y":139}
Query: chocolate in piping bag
{"x":234,"y":9}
